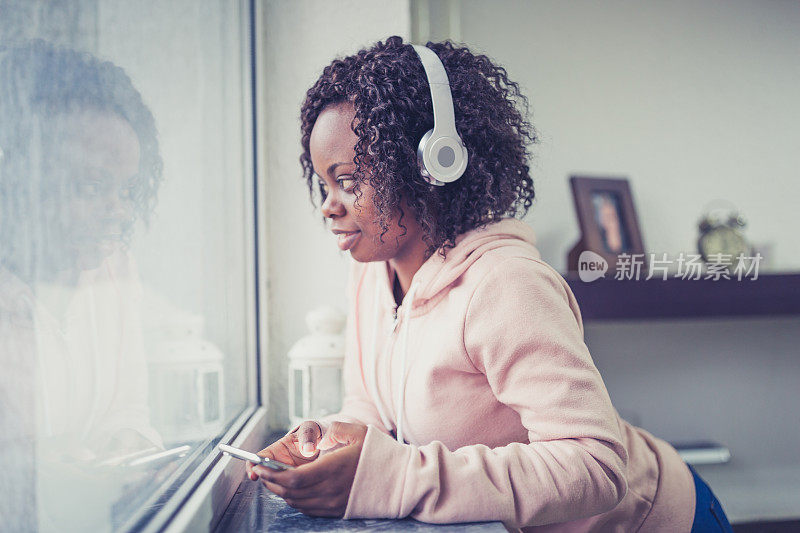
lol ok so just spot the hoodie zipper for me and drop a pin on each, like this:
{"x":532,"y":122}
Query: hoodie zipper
{"x":386,"y":343}
{"x":387,"y":353}
{"x":388,"y":347}
{"x":389,"y":341}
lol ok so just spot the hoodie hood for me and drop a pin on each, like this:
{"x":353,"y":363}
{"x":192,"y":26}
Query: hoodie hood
{"x":437,"y":274}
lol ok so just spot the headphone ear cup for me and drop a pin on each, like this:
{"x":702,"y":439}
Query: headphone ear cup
{"x":441,"y":159}
{"x":423,"y":169}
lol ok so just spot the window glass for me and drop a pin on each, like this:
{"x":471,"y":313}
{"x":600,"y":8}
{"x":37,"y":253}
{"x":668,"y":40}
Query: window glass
{"x":124,"y":251}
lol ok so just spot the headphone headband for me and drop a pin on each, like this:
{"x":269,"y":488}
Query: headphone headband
{"x":444,"y":119}
{"x":441,"y":154}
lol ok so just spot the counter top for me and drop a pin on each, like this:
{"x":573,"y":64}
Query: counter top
{"x":254,"y":508}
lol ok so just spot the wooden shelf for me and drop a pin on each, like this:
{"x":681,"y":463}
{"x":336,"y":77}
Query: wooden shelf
{"x":756,"y":493}
{"x":610,"y":299}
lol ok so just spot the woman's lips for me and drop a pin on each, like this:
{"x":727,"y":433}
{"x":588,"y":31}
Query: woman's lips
{"x":347,"y":240}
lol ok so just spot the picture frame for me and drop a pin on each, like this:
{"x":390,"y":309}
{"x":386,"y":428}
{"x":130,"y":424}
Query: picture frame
{"x":607,"y":220}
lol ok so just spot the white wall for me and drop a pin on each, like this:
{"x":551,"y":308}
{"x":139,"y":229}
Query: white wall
{"x":690,"y":100}
{"x":305,"y":266}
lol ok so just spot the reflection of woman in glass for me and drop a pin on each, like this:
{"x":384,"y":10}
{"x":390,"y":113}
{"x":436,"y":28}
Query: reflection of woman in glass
{"x":606,"y":210}
{"x":79,"y":163}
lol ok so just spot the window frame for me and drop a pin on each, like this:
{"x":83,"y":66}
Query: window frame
{"x":198,"y":501}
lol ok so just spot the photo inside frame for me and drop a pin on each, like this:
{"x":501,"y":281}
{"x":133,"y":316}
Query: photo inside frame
{"x":610,"y":220}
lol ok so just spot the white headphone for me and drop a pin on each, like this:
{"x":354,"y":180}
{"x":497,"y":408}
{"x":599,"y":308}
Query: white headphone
{"x":441,"y":154}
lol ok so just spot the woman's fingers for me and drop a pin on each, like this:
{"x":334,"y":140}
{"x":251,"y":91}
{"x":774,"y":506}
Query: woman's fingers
{"x":308,"y":435}
{"x":285,"y":451}
{"x":319,"y":488}
{"x":269,"y":451}
{"x":301,"y":483}
{"x":330,"y":505}
{"x":295,"y":448}
{"x":323,"y":507}
{"x":322,"y":486}
{"x":307,"y":476}
{"x":342,"y":433}
{"x":248,"y":466}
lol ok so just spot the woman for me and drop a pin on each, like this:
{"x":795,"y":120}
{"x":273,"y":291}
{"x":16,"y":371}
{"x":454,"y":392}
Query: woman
{"x":462,"y":343}
{"x":79,"y":165}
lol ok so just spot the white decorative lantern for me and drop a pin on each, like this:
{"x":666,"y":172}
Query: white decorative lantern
{"x":315,"y":367}
{"x":187,"y":376}
{"x":187,"y":385}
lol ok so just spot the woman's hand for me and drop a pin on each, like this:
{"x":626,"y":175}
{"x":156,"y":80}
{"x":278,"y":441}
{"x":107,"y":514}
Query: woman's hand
{"x":321,"y":488}
{"x":296,"y":448}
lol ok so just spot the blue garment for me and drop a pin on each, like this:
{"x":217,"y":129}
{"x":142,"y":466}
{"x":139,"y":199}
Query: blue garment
{"x":708,"y":513}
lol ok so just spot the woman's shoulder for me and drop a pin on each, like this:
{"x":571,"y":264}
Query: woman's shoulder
{"x":515,"y":266}
{"x":508,"y":283}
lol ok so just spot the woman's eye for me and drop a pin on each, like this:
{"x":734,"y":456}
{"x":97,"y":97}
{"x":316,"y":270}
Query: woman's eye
{"x":126,"y":193}
{"x":346,"y":183}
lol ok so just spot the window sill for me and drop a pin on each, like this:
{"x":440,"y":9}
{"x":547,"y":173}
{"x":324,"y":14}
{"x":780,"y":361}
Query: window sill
{"x":200,"y":506}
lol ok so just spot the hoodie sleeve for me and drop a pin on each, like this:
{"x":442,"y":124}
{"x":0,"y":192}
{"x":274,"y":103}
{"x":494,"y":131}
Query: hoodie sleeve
{"x":522,"y":330}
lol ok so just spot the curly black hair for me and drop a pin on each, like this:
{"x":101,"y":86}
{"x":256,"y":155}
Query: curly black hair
{"x":387,"y":86}
{"x":39,"y":80}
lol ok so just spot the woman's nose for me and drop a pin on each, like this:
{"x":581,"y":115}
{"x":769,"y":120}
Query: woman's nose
{"x":118,"y":207}
{"x":332,"y":206}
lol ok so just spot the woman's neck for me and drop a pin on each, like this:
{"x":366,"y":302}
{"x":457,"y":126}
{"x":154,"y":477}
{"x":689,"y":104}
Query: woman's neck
{"x":405,"y":266}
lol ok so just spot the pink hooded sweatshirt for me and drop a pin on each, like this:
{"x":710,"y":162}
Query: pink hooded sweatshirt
{"x":503,"y":415}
